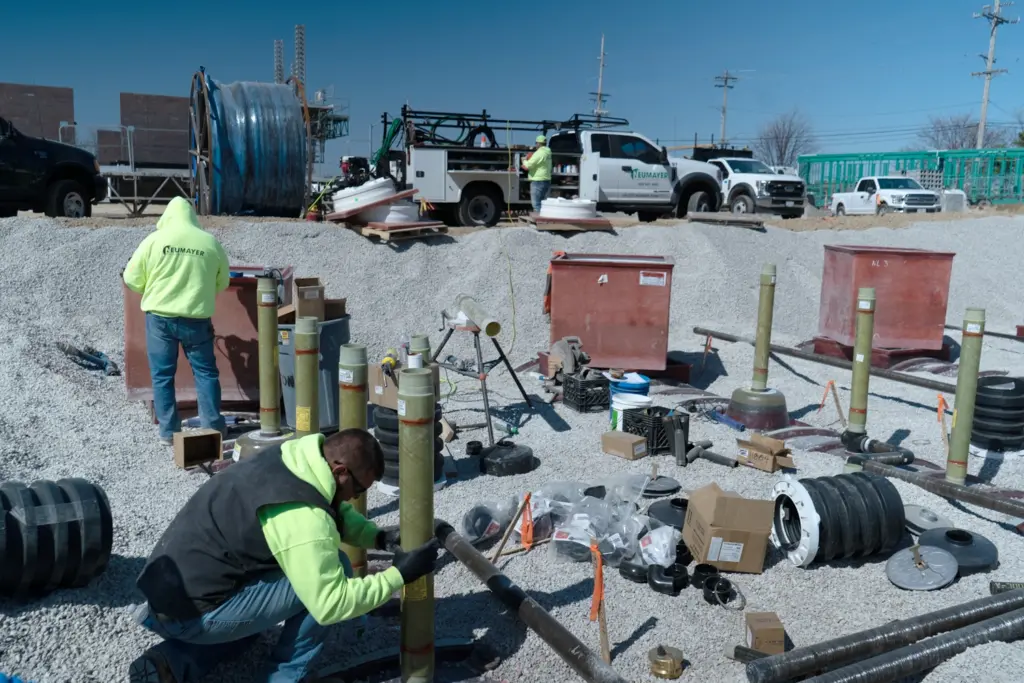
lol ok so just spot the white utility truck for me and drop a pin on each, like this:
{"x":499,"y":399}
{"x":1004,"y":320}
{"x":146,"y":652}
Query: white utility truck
{"x":885,"y":194}
{"x":474,"y":175}
{"x":751,"y":186}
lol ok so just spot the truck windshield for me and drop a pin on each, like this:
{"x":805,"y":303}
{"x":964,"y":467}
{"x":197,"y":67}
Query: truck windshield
{"x":899,"y":184}
{"x":749,"y":166}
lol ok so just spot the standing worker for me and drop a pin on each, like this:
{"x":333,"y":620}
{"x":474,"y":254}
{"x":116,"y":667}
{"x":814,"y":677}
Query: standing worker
{"x":179,"y":270}
{"x":538,"y":168}
{"x":259,"y":544}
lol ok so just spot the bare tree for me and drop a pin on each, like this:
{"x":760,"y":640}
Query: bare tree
{"x":785,"y":138}
{"x":960,"y":131}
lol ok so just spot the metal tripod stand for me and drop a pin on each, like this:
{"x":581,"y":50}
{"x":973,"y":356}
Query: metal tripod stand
{"x":483,"y":368}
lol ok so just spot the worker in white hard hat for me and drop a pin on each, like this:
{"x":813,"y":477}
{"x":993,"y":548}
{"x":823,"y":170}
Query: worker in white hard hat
{"x":538,"y":168}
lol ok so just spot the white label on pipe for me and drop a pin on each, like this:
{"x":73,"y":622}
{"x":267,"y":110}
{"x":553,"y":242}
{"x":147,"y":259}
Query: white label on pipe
{"x":859,"y":357}
{"x":973,"y":328}
{"x":269,"y":298}
{"x":864,"y":305}
{"x":401,"y":407}
{"x":773,"y":279}
{"x":653,"y":279}
{"x":345,"y":376}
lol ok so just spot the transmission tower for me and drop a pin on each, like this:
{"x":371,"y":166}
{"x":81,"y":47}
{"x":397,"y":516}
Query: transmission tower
{"x":993,"y":15}
{"x":278,"y":61}
{"x":725,"y":83}
{"x":599,"y":97}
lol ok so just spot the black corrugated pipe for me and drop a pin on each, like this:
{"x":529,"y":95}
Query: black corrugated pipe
{"x":941,"y":487}
{"x":927,"y":654}
{"x":871,"y":642}
{"x":581,"y":658}
{"x":876,"y":450}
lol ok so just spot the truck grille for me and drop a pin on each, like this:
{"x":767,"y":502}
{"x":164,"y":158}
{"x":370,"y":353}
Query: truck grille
{"x":920,"y":200}
{"x":782,"y":188}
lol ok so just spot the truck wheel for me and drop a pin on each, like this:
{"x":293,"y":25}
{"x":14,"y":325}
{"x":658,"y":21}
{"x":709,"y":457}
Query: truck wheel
{"x":480,"y":208}
{"x":647,"y":216}
{"x":67,"y":199}
{"x":840,"y":210}
{"x":741,"y":203}
{"x":699,"y":202}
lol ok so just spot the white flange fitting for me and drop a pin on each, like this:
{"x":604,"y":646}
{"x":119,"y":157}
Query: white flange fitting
{"x":568,"y":209}
{"x":367,"y":193}
{"x":795,"y":524}
{"x":403,"y":212}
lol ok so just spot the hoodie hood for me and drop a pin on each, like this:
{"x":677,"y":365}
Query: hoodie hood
{"x":179,"y":212}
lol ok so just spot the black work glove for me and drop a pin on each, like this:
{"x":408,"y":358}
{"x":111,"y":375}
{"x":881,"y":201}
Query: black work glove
{"x":417,"y":562}
{"x":387,"y":539}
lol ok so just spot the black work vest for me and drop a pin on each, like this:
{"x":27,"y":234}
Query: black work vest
{"x":215,"y":544}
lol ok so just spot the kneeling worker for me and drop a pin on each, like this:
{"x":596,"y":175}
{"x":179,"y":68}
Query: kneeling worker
{"x":259,"y":544}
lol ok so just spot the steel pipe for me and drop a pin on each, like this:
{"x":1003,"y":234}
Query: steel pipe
{"x":966,"y":393}
{"x":307,"y":376}
{"x":352,"y":400}
{"x":584,"y":661}
{"x":765,"y":309}
{"x":829,"y":360}
{"x":875,"y":641}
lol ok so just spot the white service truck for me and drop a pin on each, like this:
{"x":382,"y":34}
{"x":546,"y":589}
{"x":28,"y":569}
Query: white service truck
{"x":751,"y":186}
{"x":885,"y":194}
{"x":472,"y":179}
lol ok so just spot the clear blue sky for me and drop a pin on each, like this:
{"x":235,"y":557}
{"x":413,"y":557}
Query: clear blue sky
{"x":866,"y":74}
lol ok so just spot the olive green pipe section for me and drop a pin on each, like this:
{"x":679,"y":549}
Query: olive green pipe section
{"x":973,"y":334}
{"x":865,"y":312}
{"x":270,"y":378}
{"x":763,"y":340}
{"x":307,"y":377}
{"x":352,"y":400}
{"x":475,"y":312}
{"x":420,"y":343}
{"x":416,"y":517}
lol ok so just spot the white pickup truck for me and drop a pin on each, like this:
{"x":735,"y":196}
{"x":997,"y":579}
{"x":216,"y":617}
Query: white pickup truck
{"x":751,"y":186}
{"x":885,"y":194}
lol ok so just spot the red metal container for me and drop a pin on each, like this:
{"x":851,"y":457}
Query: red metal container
{"x":617,"y":304}
{"x":236,"y":344}
{"x":911,"y":290}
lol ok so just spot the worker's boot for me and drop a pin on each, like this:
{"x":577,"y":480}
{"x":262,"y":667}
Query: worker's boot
{"x":151,"y":667}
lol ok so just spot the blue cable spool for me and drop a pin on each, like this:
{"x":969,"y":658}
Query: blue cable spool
{"x":249,"y":153}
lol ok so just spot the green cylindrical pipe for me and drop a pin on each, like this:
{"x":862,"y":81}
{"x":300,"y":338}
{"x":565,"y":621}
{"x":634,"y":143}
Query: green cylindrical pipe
{"x":416,"y":517}
{"x":763,"y":340}
{"x":352,"y":400}
{"x":862,"y":360}
{"x":420,"y":343}
{"x":966,"y":392}
{"x":307,"y":377}
{"x":475,"y":312}
{"x":270,"y":388}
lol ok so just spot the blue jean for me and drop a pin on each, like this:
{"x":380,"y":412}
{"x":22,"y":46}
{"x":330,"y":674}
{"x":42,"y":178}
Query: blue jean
{"x":163,"y":335}
{"x":539,"y":192}
{"x":193,"y":648}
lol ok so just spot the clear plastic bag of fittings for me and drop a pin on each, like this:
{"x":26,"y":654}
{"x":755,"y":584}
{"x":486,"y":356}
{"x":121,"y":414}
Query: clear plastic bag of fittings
{"x":594,"y":519}
{"x":658,"y":546}
{"x":550,"y":505}
{"x":488,"y":519}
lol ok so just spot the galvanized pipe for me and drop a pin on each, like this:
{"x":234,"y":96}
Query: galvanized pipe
{"x":829,"y":360}
{"x":416,"y":517}
{"x":862,"y":361}
{"x":875,"y":641}
{"x":765,"y":308}
{"x":966,"y":392}
{"x":352,"y":399}
{"x":307,"y":377}
{"x":584,"y":661}
{"x":270,"y":378}
{"x":475,"y":312}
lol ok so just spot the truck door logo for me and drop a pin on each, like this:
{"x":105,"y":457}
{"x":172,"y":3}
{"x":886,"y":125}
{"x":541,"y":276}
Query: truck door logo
{"x":635,"y":174}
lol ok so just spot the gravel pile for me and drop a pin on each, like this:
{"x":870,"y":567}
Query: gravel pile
{"x":62,"y":284}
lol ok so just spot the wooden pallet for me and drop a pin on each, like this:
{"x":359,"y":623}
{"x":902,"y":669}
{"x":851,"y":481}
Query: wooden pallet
{"x":342,"y":216}
{"x":396,"y":232}
{"x":724,"y":218}
{"x":578,"y":225}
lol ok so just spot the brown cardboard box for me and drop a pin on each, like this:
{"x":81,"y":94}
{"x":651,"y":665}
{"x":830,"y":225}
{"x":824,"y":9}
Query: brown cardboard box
{"x":764,"y":453}
{"x":628,"y":446}
{"x":726,"y":530}
{"x":197,"y":446}
{"x":333,"y":310}
{"x":308,"y":298}
{"x":385,"y":394}
{"x":765,"y":633}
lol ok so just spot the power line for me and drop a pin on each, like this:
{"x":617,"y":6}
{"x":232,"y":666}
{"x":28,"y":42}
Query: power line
{"x":993,"y":15}
{"x":725,"y":83}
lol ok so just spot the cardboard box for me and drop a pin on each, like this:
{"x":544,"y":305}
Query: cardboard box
{"x":764,"y":453}
{"x":385,"y":394}
{"x":628,"y":446}
{"x":333,"y":310}
{"x":765,"y":633}
{"x":726,"y":530}
{"x":197,"y":446}
{"x":308,"y":297}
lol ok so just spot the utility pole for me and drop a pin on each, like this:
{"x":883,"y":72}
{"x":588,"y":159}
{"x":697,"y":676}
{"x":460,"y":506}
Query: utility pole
{"x":600,"y":96}
{"x":993,"y":15}
{"x":725,"y":83}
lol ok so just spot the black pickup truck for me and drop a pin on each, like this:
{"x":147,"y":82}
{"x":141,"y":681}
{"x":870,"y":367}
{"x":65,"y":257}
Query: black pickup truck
{"x":47,"y":177}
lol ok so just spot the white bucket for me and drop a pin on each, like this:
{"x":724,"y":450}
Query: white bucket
{"x":621,"y":402}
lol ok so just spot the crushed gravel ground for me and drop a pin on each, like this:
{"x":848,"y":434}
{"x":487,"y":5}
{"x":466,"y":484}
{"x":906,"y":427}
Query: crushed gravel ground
{"x":61,"y":283}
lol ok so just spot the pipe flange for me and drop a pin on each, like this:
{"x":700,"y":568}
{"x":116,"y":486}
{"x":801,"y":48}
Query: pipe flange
{"x":921,"y":568}
{"x":666,"y":662}
{"x":796,"y":525}
{"x":669,"y":580}
{"x":921,"y":519}
{"x":973,"y":552}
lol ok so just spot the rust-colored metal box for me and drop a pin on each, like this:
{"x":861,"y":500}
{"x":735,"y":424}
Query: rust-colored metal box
{"x":911,"y":290}
{"x":236,"y":342}
{"x":617,"y":304}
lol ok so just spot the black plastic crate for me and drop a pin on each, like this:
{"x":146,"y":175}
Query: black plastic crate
{"x":648,"y":423}
{"x":586,"y":395}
